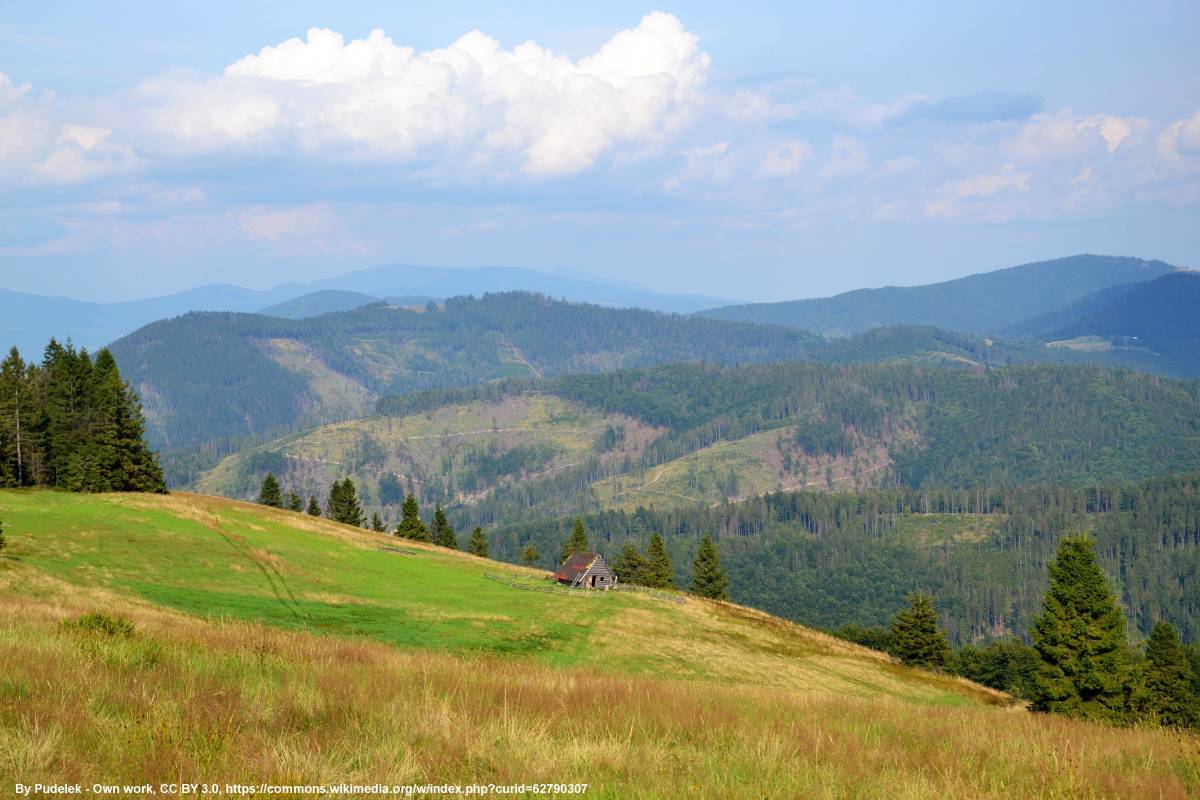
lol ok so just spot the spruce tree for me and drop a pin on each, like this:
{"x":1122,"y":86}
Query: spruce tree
{"x":16,"y":421}
{"x":440,"y":531}
{"x":1169,"y":696}
{"x":530,"y":554}
{"x":343,"y":503}
{"x":411,"y":526}
{"x":659,"y":572}
{"x":708,"y":579}
{"x":629,"y":565}
{"x":269,"y":494}
{"x":577,"y":542}
{"x":915,"y":636}
{"x":377,"y":523}
{"x":1084,"y":669}
{"x":294,"y":503}
{"x":478,"y":543}
{"x":314,"y":508}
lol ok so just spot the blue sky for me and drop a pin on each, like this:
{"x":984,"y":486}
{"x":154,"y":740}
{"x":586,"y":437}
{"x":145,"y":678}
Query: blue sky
{"x":755,"y":151}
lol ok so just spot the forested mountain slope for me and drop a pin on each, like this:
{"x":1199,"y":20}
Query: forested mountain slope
{"x":213,"y":382}
{"x":209,"y":377}
{"x":687,"y":435}
{"x":834,"y":559}
{"x":986,"y":303}
{"x":1158,"y":319}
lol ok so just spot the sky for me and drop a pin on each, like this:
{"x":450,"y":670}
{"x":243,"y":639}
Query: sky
{"x":752,"y":151}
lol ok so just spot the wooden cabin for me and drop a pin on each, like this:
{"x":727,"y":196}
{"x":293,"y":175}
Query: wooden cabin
{"x":586,"y":571}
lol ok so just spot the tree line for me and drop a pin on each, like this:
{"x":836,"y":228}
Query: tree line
{"x":343,"y":506}
{"x":653,"y":568}
{"x":72,"y":422}
{"x":1081,"y":662}
{"x":829,"y":560}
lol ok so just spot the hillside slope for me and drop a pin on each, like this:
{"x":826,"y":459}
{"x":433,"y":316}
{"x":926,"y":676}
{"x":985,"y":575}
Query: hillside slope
{"x":986,"y":303}
{"x":207,"y":378}
{"x":688,"y":435}
{"x":1158,"y":318}
{"x":267,"y":646}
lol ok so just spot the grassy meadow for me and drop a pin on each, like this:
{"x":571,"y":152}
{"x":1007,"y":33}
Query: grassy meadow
{"x":282,"y":648}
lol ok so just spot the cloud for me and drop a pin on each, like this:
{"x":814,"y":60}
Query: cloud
{"x":784,"y":159}
{"x":35,"y":147}
{"x":270,"y":224}
{"x":846,"y":158}
{"x":982,"y":185}
{"x":471,"y":102}
{"x":976,"y":107}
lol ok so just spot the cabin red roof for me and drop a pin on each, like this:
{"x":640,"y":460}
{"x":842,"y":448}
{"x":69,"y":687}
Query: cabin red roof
{"x":573,"y":566}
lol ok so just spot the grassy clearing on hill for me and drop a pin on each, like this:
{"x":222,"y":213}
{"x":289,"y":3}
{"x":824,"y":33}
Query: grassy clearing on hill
{"x":280,"y":648}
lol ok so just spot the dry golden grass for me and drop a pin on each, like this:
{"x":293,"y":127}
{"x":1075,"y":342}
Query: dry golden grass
{"x":188,"y":699}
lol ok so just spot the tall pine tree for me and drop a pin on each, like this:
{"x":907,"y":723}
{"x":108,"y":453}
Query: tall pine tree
{"x":270,"y":494}
{"x":1084,"y":669}
{"x":440,"y":531}
{"x":411,"y":526}
{"x":314,"y":507}
{"x":659,"y":572}
{"x":915,"y":636}
{"x":478,"y":543}
{"x":294,"y":503}
{"x":708,"y":579}
{"x":1169,"y":696}
{"x":377,"y":523}
{"x":577,"y":542}
{"x":343,"y":505}
{"x":629,"y":565}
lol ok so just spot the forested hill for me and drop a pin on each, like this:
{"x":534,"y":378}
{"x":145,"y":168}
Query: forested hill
{"x":986,"y":303}
{"x":833,"y":560}
{"x":210,"y":376}
{"x":688,"y":435}
{"x":1161,"y":317}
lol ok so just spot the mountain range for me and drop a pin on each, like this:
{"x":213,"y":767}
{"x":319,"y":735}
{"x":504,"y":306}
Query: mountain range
{"x":987,"y":303}
{"x":29,"y":320}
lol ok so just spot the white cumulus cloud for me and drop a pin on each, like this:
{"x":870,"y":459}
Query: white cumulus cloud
{"x":472,"y":102}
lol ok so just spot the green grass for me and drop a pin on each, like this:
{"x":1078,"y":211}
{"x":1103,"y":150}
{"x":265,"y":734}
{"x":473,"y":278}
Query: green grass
{"x":223,"y":560}
{"x":154,"y":638}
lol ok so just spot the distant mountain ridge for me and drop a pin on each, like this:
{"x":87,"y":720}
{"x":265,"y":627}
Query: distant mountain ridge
{"x":985,"y":303}
{"x":29,"y":320}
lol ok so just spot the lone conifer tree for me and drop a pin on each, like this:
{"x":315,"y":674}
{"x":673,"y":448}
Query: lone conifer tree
{"x":659,"y":572}
{"x":478,"y":543}
{"x":629,"y":565}
{"x":343,"y":503}
{"x":708,"y":579}
{"x":1169,"y":679}
{"x":1080,"y":639}
{"x":530,"y":554}
{"x":269,"y":494}
{"x":916,"y":638}
{"x":294,"y":503}
{"x":577,"y":542}
{"x":411,"y":526}
{"x":440,"y":531}
{"x":377,"y":523}
{"x":314,"y":508}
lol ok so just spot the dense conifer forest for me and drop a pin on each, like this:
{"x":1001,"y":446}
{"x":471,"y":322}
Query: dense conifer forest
{"x":73,"y":423}
{"x":980,"y":429}
{"x":833,"y":559}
